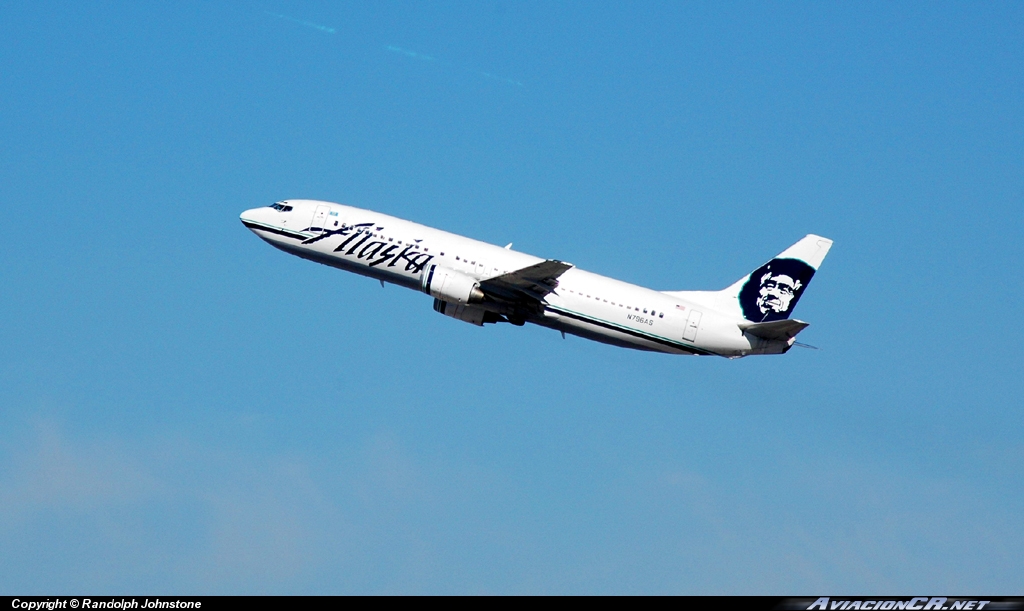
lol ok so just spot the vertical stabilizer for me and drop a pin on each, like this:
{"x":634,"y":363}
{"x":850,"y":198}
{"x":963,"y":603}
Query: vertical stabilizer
{"x":771,"y":291}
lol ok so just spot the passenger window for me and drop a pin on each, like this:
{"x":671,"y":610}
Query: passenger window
{"x":662,"y":315}
{"x":645,"y":310}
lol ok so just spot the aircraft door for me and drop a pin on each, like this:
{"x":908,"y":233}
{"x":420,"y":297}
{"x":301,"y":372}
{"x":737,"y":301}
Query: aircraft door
{"x":319,"y":219}
{"x":692,"y":323}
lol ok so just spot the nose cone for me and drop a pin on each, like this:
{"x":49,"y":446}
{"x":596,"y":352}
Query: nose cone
{"x":248,"y":215}
{"x":254,"y":216}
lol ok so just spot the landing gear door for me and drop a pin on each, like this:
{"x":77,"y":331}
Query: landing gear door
{"x":319,"y":219}
{"x":692,"y":324}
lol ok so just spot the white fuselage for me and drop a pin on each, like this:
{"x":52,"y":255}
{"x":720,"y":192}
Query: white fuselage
{"x":583,"y":304}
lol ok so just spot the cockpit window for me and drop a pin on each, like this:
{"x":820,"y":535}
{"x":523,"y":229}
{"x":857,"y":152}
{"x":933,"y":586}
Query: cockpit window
{"x":281,"y":207}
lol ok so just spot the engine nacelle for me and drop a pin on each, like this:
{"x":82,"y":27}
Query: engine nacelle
{"x":451,"y":286}
{"x":471,"y":314}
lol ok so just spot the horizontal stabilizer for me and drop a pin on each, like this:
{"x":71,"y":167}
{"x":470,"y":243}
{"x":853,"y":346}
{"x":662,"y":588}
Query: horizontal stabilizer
{"x":781,"y":330}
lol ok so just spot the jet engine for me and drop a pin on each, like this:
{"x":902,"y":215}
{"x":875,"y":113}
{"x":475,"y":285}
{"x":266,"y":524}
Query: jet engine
{"x":451,"y":286}
{"x":471,"y":314}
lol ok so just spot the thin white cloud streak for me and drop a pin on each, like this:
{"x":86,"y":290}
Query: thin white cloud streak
{"x":393,"y":48}
{"x":422,"y":56}
{"x":308,"y":24}
{"x":409,"y":53}
{"x":502,"y":79}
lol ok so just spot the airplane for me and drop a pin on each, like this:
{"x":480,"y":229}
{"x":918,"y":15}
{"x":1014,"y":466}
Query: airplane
{"x":481,"y":283}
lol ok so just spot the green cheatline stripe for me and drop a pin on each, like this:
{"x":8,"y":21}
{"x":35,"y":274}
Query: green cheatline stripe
{"x":628,"y":330}
{"x":278,"y":230}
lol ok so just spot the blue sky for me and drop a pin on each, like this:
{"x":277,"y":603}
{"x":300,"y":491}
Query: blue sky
{"x":185,"y":409}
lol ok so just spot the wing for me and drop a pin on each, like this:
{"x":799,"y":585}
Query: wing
{"x":530,"y":284}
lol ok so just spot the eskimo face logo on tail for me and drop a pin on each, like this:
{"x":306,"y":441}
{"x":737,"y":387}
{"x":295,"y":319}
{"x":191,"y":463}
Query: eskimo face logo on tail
{"x":773,"y":289}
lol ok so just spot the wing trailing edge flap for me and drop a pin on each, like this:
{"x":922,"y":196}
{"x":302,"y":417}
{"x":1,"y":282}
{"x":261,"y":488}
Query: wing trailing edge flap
{"x":780,"y":330}
{"x":531,"y":283}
